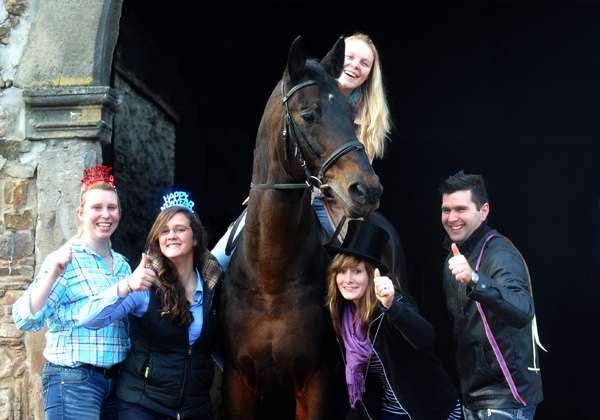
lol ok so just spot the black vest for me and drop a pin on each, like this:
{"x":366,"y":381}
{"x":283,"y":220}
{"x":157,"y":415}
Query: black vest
{"x":162,"y":372}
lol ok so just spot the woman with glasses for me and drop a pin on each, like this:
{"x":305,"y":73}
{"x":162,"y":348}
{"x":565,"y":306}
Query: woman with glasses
{"x":169,"y":371}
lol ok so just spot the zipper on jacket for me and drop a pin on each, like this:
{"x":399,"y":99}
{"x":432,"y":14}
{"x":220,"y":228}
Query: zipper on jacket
{"x":188,"y":363}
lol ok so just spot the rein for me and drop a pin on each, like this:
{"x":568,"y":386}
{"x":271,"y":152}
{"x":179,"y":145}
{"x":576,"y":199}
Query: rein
{"x":291,"y":131}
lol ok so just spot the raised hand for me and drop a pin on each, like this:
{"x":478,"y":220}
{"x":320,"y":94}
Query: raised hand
{"x":384,"y":289}
{"x":142,"y":278}
{"x":459,"y":266}
{"x":59,"y":260}
{"x":56,"y":264}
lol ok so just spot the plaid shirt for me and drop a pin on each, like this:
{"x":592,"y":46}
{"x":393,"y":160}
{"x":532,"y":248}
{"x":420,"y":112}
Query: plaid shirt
{"x":67,"y":342}
{"x":109,"y":306}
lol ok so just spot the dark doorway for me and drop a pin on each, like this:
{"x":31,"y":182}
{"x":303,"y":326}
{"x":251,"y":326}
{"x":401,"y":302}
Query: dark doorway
{"x":506,"y":89}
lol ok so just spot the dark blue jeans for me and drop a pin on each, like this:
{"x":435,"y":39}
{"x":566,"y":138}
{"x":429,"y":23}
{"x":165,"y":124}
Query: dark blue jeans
{"x":77,"y":394}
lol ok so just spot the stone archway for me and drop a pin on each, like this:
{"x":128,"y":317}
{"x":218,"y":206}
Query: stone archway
{"x":65,"y":109}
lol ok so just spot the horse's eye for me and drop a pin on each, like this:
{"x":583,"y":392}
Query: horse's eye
{"x":308,"y":118}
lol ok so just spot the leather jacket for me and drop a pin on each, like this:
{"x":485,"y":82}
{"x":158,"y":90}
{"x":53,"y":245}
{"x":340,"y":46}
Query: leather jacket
{"x":504,"y":293}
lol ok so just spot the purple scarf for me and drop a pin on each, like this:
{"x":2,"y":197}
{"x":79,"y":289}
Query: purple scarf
{"x":358,"y":352}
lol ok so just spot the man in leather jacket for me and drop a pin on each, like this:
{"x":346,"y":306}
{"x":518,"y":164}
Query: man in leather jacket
{"x":488,"y":294}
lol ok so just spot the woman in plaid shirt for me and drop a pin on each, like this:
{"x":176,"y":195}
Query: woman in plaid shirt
{"x":78,"y":377}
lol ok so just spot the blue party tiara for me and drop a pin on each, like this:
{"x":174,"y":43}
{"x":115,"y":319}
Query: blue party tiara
{"x":177,"y":198}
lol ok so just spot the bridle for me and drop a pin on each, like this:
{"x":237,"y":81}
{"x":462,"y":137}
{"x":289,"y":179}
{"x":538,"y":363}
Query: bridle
{"x":291,"y":131}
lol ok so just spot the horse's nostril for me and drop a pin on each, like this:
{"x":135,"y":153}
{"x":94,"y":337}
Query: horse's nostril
{"x":358,"y":193}
{"x":363,"y":195}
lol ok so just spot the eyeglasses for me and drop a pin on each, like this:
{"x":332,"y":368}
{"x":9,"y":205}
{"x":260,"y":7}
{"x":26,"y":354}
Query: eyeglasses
{"x":176,"y":230}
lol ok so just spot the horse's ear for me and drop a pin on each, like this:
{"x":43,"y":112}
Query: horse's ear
{"x":296,"y":59}
{"x":333,"y":62}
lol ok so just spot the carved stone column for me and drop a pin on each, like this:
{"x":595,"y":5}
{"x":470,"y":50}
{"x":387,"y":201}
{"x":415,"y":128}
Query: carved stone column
{"x":65,"y":118}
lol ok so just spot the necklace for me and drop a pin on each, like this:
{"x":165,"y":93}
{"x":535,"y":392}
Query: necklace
{"x":104,"y":256}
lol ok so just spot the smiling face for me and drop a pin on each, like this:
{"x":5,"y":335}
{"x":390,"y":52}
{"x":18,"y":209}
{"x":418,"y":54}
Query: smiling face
{"x":353,"y":282}
{"x":176,"y":239}
{"x":357,"y":65}
{"x":460,"y":216}
{"x":100,"y":214}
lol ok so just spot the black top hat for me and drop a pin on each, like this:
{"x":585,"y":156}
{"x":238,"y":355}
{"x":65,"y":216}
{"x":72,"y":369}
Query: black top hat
{"x":364,"y":241}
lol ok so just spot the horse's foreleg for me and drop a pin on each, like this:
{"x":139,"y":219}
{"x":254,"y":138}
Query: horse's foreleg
{"x":316,"y":400}
{"x":240,"y":402}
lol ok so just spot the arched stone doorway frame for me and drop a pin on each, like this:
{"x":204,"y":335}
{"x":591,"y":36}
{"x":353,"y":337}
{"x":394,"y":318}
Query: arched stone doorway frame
{"x":68,"y":108}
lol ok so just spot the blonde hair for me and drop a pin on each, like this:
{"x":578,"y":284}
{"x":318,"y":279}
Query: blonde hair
{"x":366,"y":310}
{"x":100,"y":185}
{"x":373,"y":114}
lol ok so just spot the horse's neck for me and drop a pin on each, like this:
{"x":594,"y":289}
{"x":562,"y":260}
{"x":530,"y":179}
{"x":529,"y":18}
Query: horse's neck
{"x":282,"y":217}
{"x":281,"y":238}
{"x":281,"y":232}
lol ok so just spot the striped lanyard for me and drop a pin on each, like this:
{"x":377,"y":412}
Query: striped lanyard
{"x":492,"y":340}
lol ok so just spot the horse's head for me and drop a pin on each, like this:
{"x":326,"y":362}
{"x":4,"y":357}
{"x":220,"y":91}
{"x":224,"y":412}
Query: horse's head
{"x":318,"y":143}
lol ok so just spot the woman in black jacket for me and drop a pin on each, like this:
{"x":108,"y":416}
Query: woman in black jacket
{"x":172,"y":326}
{"x":387,"y":344}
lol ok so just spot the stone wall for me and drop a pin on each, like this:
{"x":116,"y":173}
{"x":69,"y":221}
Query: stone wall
{"x":56,"y":113}
{"x":20,"y":396}
{"x":16,"y":270}
{"x":144,"y":159}
{"x":16,"y":18}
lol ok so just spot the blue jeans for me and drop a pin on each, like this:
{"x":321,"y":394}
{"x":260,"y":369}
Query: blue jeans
{"x":522,"y":413}
{"x":77,"y":394}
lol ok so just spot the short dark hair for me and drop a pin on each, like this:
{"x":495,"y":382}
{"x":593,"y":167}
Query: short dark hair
{"x":466,"y":182}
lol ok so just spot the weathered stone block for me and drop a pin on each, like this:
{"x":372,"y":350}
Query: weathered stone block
{"x":18,"y":170}
{"x":11,"y":297}
{"x":8,"y":331}
{"x":6,"y":399}
{"x":14,"y":271}
{"x":74,"y":112}
{"x":15,"y":193}
{"x":10,"y":342}
{"x":16,"y":7}
{"x":16,"y":245}
{"x":18,"y":221}
{"x":11,"y":148}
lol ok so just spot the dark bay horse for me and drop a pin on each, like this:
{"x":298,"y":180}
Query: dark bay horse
{"x":276,"y":331}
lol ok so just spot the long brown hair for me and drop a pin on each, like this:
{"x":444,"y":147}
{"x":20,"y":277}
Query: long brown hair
{"x":170,"y":290}
{"x":367,"y":309}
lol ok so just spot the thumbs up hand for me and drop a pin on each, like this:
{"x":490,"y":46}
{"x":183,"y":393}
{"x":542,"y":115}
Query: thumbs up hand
{"x":142,"y":278}
{"x":459,"y":266}
{"x":384,"y":289}
{"x":59,"y":260}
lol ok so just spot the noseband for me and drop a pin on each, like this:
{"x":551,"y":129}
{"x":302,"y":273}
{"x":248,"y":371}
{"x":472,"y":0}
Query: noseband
{"x":291,"y":131}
